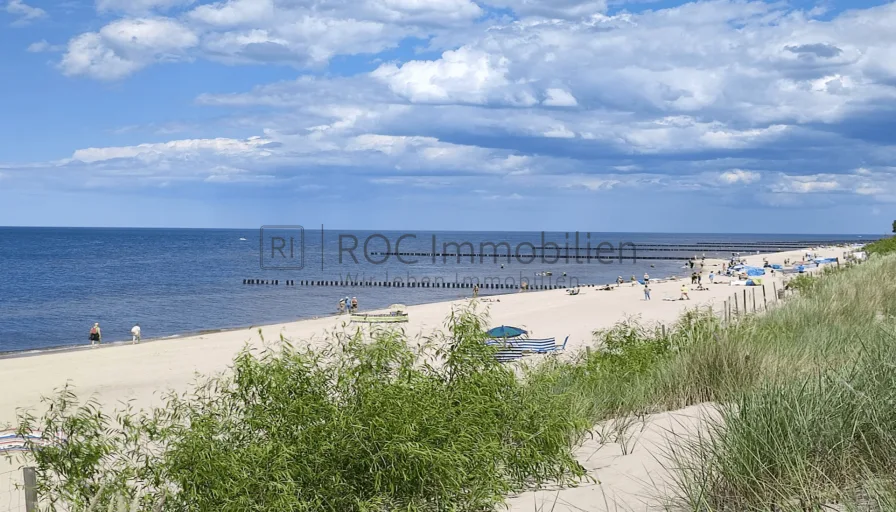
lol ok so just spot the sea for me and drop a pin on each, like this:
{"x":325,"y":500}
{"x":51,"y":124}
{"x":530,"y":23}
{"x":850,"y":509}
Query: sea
{"x":56,"y":282}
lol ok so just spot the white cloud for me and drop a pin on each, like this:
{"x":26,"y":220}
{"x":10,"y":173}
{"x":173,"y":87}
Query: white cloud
{"x":569,"y":9}
{"x":43,"y":46}
{"x":123,"y":47}
{"x":425,"y":11}
{"x":559,"y":98}
{"x":225,"y":147}
{"x":24,"y":12}
{"x":739,"y":176}
{"x":234,"y":13}
{"x":460,"y":76}
{"x":565,"y":96}
{"x":807,"y":184}
{"x":559,"y":132}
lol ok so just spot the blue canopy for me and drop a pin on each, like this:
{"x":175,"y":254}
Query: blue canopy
{"x":505,"y":332}
{"x":755,"y":272}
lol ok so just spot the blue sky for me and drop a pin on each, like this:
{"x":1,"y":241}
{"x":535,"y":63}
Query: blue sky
{"x":598,"y":115}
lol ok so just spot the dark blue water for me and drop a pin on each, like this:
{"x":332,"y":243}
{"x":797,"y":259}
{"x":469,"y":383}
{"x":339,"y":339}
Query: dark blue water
{"x":56,"y":282}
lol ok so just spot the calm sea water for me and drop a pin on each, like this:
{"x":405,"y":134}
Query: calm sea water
{"x":56,"y":282}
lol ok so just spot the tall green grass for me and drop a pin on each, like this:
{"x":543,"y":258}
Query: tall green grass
{"x":819,"y":429}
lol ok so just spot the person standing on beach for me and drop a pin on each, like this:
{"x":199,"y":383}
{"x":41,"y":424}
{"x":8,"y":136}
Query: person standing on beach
{"x":354,"y":303}
{"x":96,"y":335}
{"x":711,"y":276}
{"x":634,"y":280}
{"x":684,"y":292}
{"x":646,"y":292}
{"x":646,"y":279}
{"x":135,"y":334}
{"x":475,"y":291}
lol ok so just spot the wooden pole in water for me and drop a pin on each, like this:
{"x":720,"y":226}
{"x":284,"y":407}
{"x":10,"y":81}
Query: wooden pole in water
{"x":764,"y":300}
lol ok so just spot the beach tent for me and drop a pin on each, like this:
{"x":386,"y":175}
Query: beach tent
{"x":753,"y":271}
{"x":506,"y":331}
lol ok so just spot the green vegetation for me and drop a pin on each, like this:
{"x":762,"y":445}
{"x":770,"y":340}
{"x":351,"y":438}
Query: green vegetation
{"x":806,"y":392}
{"x":882,"y":246}
{"x":363,"y":427}
{"x":820,"y":428}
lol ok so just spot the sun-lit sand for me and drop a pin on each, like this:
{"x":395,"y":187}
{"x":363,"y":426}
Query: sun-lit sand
{"x":141,"y":373}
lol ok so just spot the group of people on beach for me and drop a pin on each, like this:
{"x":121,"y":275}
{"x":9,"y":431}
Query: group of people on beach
{"x":346,"y":303}
{"x":96,"y":334}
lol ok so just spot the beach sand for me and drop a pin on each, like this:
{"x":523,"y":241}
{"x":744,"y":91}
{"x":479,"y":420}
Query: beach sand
{"x":142,"y":373}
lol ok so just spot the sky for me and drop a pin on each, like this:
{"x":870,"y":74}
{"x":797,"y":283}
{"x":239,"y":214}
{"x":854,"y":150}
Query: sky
{"x":592,"y":115}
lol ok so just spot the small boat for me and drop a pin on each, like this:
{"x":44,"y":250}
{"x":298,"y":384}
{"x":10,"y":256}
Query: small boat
{"x":380,"y":318}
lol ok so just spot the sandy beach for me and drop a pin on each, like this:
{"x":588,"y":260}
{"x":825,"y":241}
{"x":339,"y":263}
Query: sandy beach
{"x":142,"y":373}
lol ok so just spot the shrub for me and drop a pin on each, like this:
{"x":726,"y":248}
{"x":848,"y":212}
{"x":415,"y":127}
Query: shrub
{"x":368,"y":426}
{"x":883,"y":246}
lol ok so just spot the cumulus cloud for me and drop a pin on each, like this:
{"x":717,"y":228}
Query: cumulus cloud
{"x":460,"y":76}
{"x":739,"y":176}
{"x":122,"y":47}
{"x":24,"y":12}
{"x":559,"y":98}
{"x":276,"y":31}
{"x":746,"y":98}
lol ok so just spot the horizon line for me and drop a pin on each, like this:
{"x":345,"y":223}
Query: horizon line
{"x":453,"y":230}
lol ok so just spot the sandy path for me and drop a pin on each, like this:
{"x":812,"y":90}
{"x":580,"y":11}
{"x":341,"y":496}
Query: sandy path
{"x":140,"y":373}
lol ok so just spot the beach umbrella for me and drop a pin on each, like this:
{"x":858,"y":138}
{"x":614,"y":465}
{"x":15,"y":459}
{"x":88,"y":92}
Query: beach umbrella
{"x":506,"y":331}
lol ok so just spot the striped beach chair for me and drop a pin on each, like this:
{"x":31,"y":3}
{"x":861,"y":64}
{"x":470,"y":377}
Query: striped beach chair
{"x":509,"y":354}
{"x":10,"y":441}
{"x":539,"y":346}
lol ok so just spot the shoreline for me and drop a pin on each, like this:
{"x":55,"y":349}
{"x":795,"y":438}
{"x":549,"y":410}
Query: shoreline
{"x":68,"y":348}
{"x":63,"y":348}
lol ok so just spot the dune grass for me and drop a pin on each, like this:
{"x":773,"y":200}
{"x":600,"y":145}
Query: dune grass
{"x":807,"y":394}
{"x":818,"y":430}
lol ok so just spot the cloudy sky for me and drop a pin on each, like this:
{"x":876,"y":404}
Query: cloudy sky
{"x":598,"y":115}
